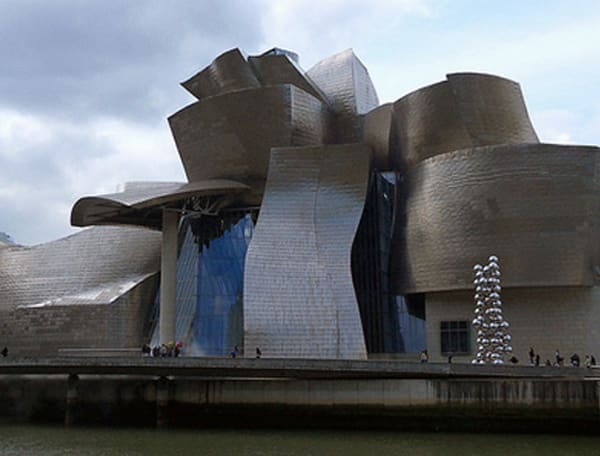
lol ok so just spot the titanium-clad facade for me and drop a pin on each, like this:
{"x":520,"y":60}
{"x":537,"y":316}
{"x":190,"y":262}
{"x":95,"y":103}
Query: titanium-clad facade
{"x":456,"y":172}
{"x":492,"y":109}
{"x":92,"y":289}
{"x":377,"y":134}
{"x":351,"y":94}
{"x":536,"y":206}
{"x":230,"y":136}
{"x":229,"y":72}
{"x":276,"y":68}
{"x":141,"y":203}
{"x":299,"y":300}
{"x":465,"y":111}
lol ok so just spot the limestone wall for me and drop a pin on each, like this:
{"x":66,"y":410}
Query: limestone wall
{"x":566,"y":318}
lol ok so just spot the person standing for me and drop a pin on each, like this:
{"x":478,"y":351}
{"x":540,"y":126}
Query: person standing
{"x":424,"y":356}
{"x":258,"y":353}
{"x":557,"y":358}
{"x":575,"y":360}
{"x":531,"y":356}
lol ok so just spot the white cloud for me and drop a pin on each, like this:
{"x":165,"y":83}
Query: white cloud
{"x":136,"y":152}
{"x":316,"y":28}
{"x":48,"y":164}
{"x":535,"y":57}
{"x":564,"y":126}
{"x":19,"y":131}
{"x":556,"y":126}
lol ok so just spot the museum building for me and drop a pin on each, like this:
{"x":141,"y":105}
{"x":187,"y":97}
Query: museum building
{"x":317,"y":223}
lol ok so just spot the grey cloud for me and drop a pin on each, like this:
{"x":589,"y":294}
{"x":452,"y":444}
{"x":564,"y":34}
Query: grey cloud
{"x":84,"y":58}
{"x":72,"y":65}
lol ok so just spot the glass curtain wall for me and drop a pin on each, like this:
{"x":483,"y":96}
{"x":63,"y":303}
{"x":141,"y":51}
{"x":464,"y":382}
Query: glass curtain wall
{"x":210,"y":270}
{"x":370,"y":268}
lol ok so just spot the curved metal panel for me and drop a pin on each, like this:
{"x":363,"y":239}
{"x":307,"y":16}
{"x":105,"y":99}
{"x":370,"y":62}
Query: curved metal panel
{"x":468,"y":110}
{"x":276,"y":69}
{"x":230,"y":136}
{"x":141,"y":203}
{"x":427,"y":123}
{"x":228,"y":72}
{"x":299,"y":298}
{"x":78,"y":262}
{"x":377,"y":134}
{"x":492,"y":109}
{"x":92,"y":289}
{"x":347,"y":85}
{"x":535,"y":206}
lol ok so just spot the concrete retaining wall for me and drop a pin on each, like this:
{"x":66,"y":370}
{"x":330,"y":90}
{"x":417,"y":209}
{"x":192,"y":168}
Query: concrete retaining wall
{"x":523,"y":405}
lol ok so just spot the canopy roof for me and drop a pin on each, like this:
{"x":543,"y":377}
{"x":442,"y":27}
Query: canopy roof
{"x":141,"y":203}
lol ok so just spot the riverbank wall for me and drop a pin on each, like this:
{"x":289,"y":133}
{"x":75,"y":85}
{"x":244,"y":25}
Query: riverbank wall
{"x":252,"y":393}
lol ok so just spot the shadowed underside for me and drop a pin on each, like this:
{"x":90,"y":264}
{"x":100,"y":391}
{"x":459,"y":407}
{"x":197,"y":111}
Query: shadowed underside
{"x":142,"y":203}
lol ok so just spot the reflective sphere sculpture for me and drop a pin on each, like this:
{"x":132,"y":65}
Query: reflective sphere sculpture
{"x":493,"y":340}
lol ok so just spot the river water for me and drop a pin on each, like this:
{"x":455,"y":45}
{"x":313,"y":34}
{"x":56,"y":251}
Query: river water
{"x":51,"y":441}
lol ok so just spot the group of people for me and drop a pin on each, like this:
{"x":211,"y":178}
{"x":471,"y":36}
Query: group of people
{"x":173,"y":349}
{"x":534,"y":359}
{"x":559,"y":360}
{"x":168,"y":350}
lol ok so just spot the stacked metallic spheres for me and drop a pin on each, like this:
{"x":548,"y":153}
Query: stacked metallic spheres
{"x":493,"y":338}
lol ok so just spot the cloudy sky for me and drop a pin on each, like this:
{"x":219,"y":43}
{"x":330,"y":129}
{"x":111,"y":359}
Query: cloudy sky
{"x":86,"y":85}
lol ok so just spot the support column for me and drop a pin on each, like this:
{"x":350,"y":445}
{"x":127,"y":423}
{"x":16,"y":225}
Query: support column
{"x":168,"y":276}
{"x":162,"y":402}
{"x":72,"y":399}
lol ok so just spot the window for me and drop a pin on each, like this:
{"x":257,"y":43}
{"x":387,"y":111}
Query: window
{"x":454,"y":337}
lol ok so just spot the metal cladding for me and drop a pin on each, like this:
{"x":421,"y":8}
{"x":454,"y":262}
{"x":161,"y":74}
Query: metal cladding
{"x":536,"y":206}
{"x":378,"y":134}
{"x":465,"y":111}
{"x":230,"y":136}
{"x":492,"y":109}
{"x":299,"y":299}
{"x":141,"y":203}
{"x":51,"y":294}
{"x":347,"y":85}
{"x":228,"y":72}
{"x":79,"y":262}
{"x":471,"y":178}
{"x":276,"y":69}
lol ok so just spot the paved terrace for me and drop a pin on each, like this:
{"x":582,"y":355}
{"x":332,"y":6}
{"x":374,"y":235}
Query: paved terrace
{"x":251,"y":368}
